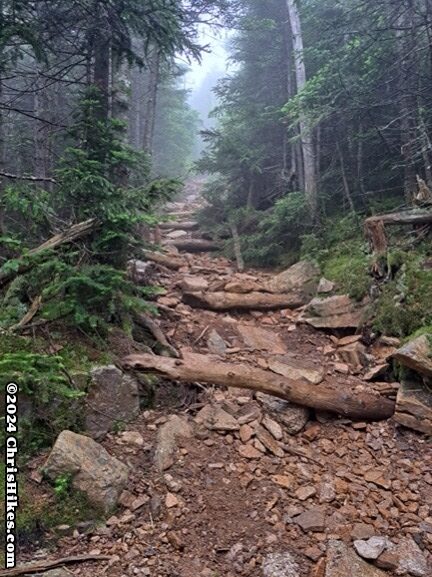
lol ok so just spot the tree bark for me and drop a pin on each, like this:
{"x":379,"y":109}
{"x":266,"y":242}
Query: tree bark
{"x":207,"y":369}
{"x":345,"y":182}
{"x":151,"y":100}
{"x":408,"y":78}
{"x":306,"y":135}
{"x":237,"y":248}
{"x":194,"y":245}
{"x":375,"y":229}
{"x":169,"y":261}
{"x":225,"y":301}
{"x":186,"y":225}
{"x":43,"y":566}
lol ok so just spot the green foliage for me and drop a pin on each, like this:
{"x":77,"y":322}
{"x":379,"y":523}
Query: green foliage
{"x":277,"y":239}
{"x":403,"y":308}
{"x":48,"y":398}
{"x":86,"y":285}
{"x":40,"y":513}
{"x":50,"y":393}
{"x":340,"y":249}
{"x":62,"y":485}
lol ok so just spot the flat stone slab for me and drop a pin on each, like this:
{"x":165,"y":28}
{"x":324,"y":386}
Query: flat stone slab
{"x":414,"y":407}
{"x":261,"y":339}
{"x":416,"y":355}
{"x":292,"y":368}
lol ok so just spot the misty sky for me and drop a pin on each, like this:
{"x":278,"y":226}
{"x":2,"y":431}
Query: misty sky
{"x":215,"y":60}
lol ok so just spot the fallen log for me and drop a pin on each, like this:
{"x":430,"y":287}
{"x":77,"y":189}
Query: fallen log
{"x":207,"y":369}
{"x":70,"y":235}
{"x":170,"y":261}
{"x":194,"y":245}
{"x":375,"y":225}
{"x":181,"y":214}
{"x":225,"y":301}
{"x":43,"y":566}
{"x":187,"y":225}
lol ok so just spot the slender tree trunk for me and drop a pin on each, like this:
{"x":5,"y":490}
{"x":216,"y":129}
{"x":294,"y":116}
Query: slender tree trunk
{"x":151,"y":100}
{"x":295,"y":161}
{"x":346,"y":185}
{"x":101,"y":64}
{"x":306,"y":135}
{"x":408,"y":99}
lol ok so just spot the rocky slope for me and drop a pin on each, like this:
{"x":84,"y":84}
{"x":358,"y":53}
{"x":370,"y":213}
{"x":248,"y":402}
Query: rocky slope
{"x":233,"y":482}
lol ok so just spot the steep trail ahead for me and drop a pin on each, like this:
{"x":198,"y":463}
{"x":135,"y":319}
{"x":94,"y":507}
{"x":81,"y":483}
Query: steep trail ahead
{"x":258,"y":488}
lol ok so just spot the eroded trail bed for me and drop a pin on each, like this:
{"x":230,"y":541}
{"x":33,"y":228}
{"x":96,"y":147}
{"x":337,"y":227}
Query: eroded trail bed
{"x":244,"y":484}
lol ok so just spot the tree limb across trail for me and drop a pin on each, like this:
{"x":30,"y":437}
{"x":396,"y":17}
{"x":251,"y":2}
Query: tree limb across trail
{"x":208,"y":369}
{"x":69,"y":235}
{"x":46,"y":565}
{"x":225,"y":301}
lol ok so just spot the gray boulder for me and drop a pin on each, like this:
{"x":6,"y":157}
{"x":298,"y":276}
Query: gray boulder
{"x":302,"y":277}
{"x":93,"y":470}
{"x":113,"y":399}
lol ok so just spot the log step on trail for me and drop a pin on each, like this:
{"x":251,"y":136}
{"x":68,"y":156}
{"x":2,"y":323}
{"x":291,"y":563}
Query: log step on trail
{"x":225,"y":301}
{"x":194,"y":245}
{"x":187,"y":225}
{"x":208,"y":369}
{"x":169,"y":261}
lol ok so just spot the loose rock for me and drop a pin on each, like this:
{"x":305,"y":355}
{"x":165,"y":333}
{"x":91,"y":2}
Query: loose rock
{"x":166,"y":443}
{"x":280,"y":565}
{"x":94,"y":472}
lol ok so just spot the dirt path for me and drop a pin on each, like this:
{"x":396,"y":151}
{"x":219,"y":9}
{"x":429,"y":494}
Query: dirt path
{"x":257,"y":478}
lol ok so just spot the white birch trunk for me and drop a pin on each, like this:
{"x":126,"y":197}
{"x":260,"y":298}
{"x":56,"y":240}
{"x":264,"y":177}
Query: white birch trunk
{"x":306,"y":136}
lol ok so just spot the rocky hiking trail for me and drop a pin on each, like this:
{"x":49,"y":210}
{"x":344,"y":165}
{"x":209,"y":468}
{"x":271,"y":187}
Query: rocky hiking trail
{"x":231,"y":481}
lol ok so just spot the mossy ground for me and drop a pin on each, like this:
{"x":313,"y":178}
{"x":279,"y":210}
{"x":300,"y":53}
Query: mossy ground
{"x":41,"y":511}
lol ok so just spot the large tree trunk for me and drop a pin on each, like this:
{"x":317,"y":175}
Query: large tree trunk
{"x":206,"y":369}
{"x":225,"y":301}
{"x":306,"y":134}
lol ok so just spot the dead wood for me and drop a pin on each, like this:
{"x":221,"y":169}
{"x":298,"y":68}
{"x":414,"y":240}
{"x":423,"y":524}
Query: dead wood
{"x":154,"y":328}
{"x":170,"y":261}
{"x":70,"y":235}
{"x":186,"y":225}
{"x":194,"y":245}
{"x":29,"y":316}
{"x":237,"y":248}
{"x":375,"y":226}
{"x":47,"y":565}
{"x":26,"y":177}
{"x":225,"y":301}
{"x":207,"y":369}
